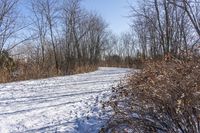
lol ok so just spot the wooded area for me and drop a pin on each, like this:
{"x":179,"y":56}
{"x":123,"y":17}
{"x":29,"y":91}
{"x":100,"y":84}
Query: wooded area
{"x":167,"y":26}
{"x":45,"y":38}
{"x":163,"y":97}
{"x":61,"y":38}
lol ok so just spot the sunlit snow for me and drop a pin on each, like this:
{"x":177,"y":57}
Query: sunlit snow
{"x":61,"y":104}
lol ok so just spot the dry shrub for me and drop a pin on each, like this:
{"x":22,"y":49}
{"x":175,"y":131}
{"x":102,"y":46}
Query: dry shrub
{"x":34,"y":72}
{"x":163,"y":97}
{"x":138,"y":63}
{"x":84,"y":69}
{"x":26,"y":71}
{"x":4,"y":76}
{"x":126,"y":62}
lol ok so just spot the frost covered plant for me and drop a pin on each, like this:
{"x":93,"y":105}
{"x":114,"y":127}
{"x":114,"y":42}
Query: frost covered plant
{"x":164,"y":98}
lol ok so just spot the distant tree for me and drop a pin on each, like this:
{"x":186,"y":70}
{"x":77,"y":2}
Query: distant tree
{"x":128,"y":42}
{"x":84,"y":35}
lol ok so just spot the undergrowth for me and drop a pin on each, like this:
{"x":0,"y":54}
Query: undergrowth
{"x":164,"y":97}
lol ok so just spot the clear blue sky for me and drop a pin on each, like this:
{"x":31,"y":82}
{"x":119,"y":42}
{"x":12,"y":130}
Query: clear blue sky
{"x":113,"y":11}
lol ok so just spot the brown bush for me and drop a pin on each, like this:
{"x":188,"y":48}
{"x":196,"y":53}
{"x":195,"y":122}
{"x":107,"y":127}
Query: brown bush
{"x":164,"y":97}
{"x":4,"y":75}
{"x":29,"y":70}
{"x":84,"y":69}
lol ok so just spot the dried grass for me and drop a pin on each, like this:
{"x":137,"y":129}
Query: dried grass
{"x":84,"y":69}
{"x":26,"y":71}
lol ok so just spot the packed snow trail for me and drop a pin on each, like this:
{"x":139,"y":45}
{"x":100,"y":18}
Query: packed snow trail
{"x":61,"y":104}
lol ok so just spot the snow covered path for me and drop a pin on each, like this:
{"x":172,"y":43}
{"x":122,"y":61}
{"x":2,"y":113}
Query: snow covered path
{"x":60,"y":104}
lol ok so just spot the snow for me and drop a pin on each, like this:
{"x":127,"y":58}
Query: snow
{"x":59,"y":104}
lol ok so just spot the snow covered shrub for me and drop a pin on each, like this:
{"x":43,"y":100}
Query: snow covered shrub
{"x":164,"y":98}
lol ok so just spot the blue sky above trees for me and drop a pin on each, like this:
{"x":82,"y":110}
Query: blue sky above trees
{"x":114,"y":12}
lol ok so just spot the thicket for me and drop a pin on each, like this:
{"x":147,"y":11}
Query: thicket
{"x":16,"y":70}
{"x":164,"y":97}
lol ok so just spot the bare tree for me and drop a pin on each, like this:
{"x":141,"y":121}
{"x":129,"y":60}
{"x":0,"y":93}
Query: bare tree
{"x":163,"y":28}
{"x":97,"y":37}
{"x":40,"y":25}
{"x":7,"y":21}
{"x":72,"y":16}
{"x":192,"y":8}
{"x":128,"y":42}
{"x":46,"y":13}
{"x":84,"y":34}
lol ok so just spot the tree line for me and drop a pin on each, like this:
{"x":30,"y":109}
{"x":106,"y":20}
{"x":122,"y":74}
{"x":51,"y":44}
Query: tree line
{"x":62,"y":35}
{"x":166,"y":26}
{"x":58,"y":37}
